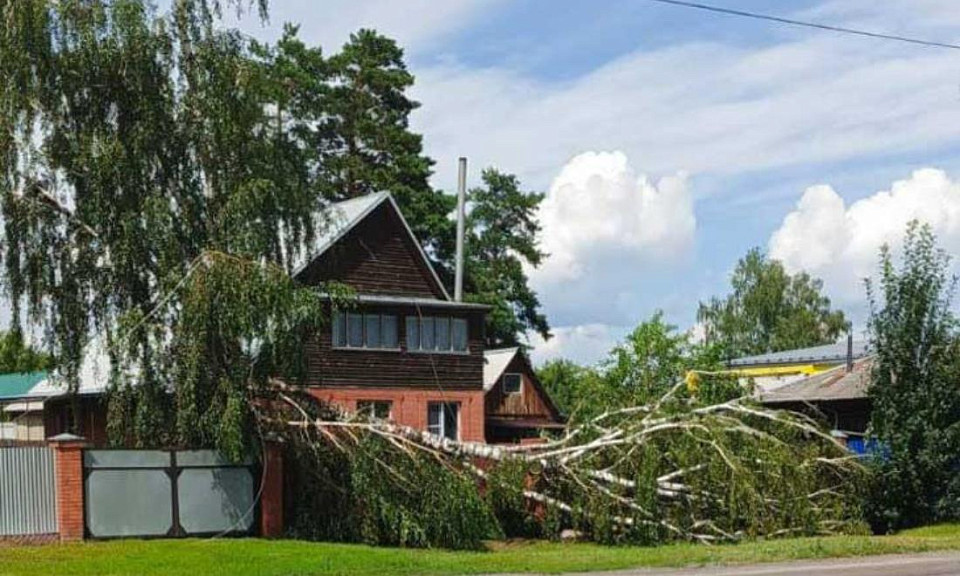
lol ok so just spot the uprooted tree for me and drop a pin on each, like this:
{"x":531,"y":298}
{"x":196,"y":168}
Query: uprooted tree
{"x":674,"y":469}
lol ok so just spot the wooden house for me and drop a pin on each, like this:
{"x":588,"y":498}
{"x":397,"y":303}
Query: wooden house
{"x":517,"y":407}
{"x":404,"y":350}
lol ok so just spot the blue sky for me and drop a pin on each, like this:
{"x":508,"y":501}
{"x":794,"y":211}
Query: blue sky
{"x":669,"y":141}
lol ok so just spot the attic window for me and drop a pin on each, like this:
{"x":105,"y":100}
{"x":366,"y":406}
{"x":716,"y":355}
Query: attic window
{"x":436,"y":334}
{"x":512,"y":383}
{"x":372,"y":331}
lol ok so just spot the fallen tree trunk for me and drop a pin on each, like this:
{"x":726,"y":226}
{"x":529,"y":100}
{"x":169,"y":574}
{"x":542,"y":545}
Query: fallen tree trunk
{"x":667,"y":471}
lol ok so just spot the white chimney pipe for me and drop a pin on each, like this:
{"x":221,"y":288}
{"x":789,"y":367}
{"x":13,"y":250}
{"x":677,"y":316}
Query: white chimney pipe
{"x":461,"y":200}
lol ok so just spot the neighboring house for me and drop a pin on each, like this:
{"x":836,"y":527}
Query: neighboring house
{"x":406,"y":351}
{"x":776,"y":369}
{"x":21,"y":419}
{"x":518,"y":409}
{"x":36,"y":406}
{"x":828,"y":381}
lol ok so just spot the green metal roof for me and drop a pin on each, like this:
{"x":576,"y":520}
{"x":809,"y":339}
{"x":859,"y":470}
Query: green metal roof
{"x":17,"y":385}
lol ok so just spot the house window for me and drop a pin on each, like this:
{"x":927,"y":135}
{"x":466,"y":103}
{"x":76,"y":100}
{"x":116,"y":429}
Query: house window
{"x":458,"y":327}
{"x":443,"y":419}
{"x":379,"y":409}
{"x":512,"y":383}
{"x":377,"y":331}
{"x":436,"y":333}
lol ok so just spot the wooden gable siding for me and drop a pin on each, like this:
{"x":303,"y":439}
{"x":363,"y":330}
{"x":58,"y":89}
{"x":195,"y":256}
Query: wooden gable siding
{"x":376,"y":257}
{"x":329,"y":366}
{"x":529,"y":404}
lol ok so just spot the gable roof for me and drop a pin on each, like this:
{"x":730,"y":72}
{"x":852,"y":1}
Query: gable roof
{"x":495,"y":362}
{"x":18,"y":385}
{"x":344,"y":217}
{"x":836,"y":352}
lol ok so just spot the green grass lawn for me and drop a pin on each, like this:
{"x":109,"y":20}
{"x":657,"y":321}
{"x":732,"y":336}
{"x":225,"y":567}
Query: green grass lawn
{"x":262,"y":557}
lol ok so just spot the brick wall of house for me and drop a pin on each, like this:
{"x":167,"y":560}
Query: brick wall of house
{"x":409,"y":406}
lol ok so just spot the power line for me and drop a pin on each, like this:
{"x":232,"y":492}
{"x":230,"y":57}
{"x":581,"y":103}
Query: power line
{"x":757,"y":16}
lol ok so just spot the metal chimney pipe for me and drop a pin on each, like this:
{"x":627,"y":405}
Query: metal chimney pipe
{"x":461,"y":201}
{"x":849,"y":352}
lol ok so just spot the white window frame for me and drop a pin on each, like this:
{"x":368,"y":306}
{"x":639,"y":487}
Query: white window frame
{"x":442,"y":421}
{"x":503,"y":383}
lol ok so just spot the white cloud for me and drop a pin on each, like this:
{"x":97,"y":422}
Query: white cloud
{"x":841,"y":243}
{"x":704,"y":107}
{"x":415,"y":24}
{"x":584,"y":344}
{"x":599,"y":203}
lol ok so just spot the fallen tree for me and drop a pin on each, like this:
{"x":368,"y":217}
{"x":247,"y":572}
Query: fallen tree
{"x":670,"y":470}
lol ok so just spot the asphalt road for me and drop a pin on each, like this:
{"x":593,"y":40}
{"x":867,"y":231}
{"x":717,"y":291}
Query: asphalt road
{"x":937,"y":564}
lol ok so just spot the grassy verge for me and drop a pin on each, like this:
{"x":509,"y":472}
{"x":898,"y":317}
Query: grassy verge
{"x":266,"y":558}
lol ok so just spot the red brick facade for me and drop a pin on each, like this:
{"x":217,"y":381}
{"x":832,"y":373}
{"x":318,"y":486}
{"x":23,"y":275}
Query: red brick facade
{"x":409,"y":406}
{"x":68,"y":464}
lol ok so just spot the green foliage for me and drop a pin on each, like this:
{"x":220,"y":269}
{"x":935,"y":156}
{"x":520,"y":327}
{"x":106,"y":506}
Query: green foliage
{"x":649,"y":361}
{"x":378,"y":496}
{"x":365,"y":143}
{"x":516,"y":515}
{"x":502,"y":239}
{"x":769,"y":310}
{"x":566,"y":382}
{"x":17,"y":356}
{"x":132,"y":144}
{"x":915,"y":392}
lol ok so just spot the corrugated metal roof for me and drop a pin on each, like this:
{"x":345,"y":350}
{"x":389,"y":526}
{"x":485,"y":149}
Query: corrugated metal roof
{"x":833,"y":384}
{"x":836,"y":352}
{"x":18,"y":385}
{"x":495,"y":362}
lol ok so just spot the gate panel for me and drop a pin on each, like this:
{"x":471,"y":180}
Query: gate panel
{"x":129,"y":503}
{"x":27,"y":491}
{"x":158,"y":493}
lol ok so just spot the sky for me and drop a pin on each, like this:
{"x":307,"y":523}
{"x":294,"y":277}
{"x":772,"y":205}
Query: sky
{"x":670,"y":141}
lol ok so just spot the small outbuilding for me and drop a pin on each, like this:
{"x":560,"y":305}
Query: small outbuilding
{"x":517,"y":407}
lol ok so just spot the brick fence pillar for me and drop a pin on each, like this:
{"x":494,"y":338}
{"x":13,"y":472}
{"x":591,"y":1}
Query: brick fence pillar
{"x":68,"y":460}
{"x":271,"y":496}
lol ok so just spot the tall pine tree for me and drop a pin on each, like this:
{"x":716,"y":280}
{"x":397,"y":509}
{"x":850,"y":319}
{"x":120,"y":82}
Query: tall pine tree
{"x":503,"y":239}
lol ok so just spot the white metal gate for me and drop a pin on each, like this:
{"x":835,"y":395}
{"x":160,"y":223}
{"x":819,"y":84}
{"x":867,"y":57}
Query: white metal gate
{"x":28,"y":503}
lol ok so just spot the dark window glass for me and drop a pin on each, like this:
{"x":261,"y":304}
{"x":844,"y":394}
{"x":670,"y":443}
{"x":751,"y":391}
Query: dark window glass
{"x":355,"y":330}
{"x":339,"y":329}
{"x":451,"y":420}
{"x":434,"y":419}
{"x":375,"y":408}
{"x":443,"y":333}
{"x":428,"y":339}
{"x":459,"y":334}
{"x":388,"y":331}
{"x":372,"y":326}
{"x":512,"y":383}
{"x":413,"y":333}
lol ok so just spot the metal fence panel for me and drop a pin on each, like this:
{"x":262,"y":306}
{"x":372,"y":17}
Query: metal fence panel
{"x":166,"y":493}
{"x":132,"y":502}
{"x":27,"y":491}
